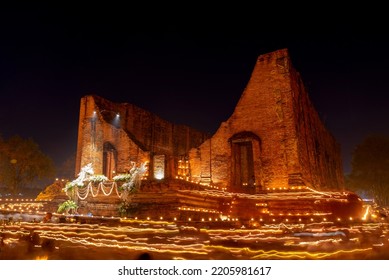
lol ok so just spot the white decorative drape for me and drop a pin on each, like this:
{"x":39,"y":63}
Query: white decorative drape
{"x":105,"y":187}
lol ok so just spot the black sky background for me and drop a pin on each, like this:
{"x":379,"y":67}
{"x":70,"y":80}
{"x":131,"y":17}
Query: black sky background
{"x":186,"y":69}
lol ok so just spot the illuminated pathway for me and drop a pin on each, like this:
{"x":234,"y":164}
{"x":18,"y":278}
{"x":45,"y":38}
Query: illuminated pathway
{"x":23,"y":239}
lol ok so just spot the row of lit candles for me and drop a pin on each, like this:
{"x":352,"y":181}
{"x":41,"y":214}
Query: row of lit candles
{"x":287,"y":188}
{"x":209,"y":219}
{"x":252,"y":219}
{"x":18,"y":207}
{"x":199,"y":210}
{"x":17,"y":199}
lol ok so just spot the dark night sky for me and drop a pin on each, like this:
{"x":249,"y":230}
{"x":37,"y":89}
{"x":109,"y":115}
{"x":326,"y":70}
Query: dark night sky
{"x":189,"y":70}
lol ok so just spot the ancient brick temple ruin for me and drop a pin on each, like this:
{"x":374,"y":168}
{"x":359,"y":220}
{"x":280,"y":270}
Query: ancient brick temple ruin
{"x":272,"y":158}
{"x":274,"y":138}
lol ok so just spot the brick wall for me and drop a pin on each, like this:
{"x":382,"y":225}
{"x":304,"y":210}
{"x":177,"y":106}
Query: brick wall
{"x":290,"y":145}
{"x":273,"y":137}
{"x":136,"y":135}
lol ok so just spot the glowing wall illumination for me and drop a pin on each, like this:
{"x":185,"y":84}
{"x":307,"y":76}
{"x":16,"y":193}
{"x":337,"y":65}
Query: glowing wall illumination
{"x":116,"y":120}
{"x":159,"y":166}
{"x":159,"y":176}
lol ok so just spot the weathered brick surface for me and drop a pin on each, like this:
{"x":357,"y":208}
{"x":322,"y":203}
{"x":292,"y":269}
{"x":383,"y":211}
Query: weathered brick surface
{"x":136,"y":136}
{"x":293,"y":146}
{"x":274,"y":137}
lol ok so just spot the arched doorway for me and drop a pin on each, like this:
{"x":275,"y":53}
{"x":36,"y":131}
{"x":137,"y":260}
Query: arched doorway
{"x":245,"y":147}
{"x":109,"y":160}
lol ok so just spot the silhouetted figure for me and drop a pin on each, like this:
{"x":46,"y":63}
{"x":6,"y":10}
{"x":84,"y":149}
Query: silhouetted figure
{"x":48,"y":245}
{"x":47,"y":218}
{"x":144,"y":256}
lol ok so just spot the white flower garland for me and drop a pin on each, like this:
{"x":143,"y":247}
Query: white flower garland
{"x":82,"y":193}
{"x":131,"y":180}
{"x":103,"y":187}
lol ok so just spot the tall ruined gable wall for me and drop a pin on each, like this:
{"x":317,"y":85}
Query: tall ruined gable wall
{"x":294,"y":147}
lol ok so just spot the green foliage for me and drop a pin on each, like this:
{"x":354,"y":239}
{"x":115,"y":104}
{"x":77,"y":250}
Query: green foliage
{"x":22,"y":163}
{"x":122,"y":177}
{"x":128,"y":184}
{"x":370,"y":168}
{"x":67,"y":206}
{"x":126,"y":209}
{"x":70,"y":189}
{"x":97,"y":178}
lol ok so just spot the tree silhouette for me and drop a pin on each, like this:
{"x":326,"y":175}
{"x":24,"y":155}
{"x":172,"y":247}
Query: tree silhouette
{"x":66,"y":170}
{"x":370,"y":168}
{"x":22,"y":162}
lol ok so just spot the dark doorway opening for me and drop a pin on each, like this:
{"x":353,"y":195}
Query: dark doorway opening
{"x":245,"y":147}
{"x":243,"y":165}
{"x":109,"y":160}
